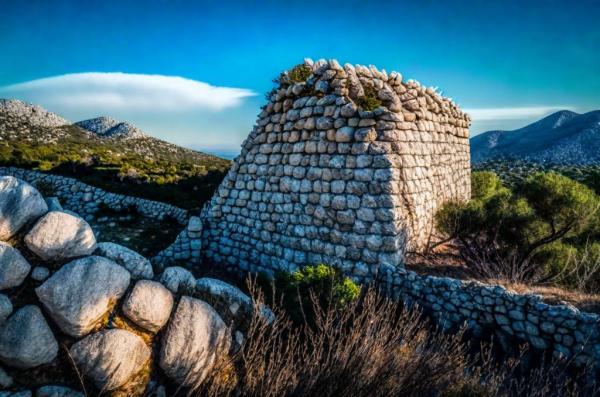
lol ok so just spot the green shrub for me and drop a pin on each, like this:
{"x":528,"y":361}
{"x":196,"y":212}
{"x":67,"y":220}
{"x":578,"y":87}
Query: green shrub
{"x":370,"y":101}
{"x":321,"y":283}
{"x":299,"y":73}
{"x":571,"y":266}
{"x":501,"y":233}
{"x":556,"y":257}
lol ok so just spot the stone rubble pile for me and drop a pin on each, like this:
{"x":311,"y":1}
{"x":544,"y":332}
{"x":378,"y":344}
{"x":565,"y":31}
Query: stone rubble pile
{"x":322,"y":180}
{"x":100,"y":302}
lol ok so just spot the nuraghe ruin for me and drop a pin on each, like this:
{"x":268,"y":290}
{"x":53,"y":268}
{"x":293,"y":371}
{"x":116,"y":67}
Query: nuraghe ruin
{"x":322,"y":180}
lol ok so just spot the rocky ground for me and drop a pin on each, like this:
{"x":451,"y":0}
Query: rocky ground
{"x":82,"y":317}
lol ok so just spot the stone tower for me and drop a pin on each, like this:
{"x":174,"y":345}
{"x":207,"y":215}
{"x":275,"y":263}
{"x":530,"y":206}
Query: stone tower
{"x":346,"y":166}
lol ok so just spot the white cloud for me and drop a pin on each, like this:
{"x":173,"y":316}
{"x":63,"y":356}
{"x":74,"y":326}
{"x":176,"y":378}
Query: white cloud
{"x":516,"y":113}
{"x":124,"y":92}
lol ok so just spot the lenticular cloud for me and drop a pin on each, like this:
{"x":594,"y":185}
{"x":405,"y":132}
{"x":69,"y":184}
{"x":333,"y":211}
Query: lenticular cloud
{"x":517,"y":113}
{"x":111,"y":92}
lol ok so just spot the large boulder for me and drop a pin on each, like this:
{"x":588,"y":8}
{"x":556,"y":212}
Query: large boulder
{"x":13,"y":267}
{"x":58,"y":235}
{"x":20,"y":204}
{"x":194,"y":338}
{"x":138,"y":266}
{"x":79,"y":294}
{"x":26,"y":340}
{"x":232,"y":304}
{"x":178,"y":280}
{"x":110,"y":357}
{"x":229,"y":301}
{"x":149,"y":305}
{"x":57,"y":391}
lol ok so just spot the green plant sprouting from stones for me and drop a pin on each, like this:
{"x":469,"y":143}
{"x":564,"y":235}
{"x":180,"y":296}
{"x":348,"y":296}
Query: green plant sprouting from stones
{"x":369,"y":101}
{"x":299,"y":73}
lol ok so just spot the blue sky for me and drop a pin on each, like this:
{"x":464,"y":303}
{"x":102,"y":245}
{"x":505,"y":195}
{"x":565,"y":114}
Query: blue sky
{"x":195,"y":73}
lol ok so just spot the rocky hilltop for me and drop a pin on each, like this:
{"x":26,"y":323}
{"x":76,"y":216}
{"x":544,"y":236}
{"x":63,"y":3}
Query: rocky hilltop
{"x":32,"y":114}
{"x":108,"y":127}
{"x":564,"y":137}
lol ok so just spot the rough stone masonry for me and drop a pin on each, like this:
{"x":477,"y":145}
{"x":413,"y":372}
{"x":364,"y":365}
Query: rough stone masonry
{"x":322,"y":180}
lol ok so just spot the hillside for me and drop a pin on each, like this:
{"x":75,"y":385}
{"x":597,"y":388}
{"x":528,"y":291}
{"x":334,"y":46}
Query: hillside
{"x":107,"y":153}
{"x":564,"y":137}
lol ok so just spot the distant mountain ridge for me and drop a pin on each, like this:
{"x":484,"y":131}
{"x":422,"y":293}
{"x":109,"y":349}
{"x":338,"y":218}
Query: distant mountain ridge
{"x":564,"y":137}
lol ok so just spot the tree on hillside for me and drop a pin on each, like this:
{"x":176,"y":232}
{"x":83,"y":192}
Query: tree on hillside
{"x":499,"y":231}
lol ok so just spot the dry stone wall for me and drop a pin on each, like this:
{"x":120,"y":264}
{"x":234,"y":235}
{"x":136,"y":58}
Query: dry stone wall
{"x":185,"y":249}
{"x":524,"y":318}
{"x":84,"y":199}
{"x":323,"y":180}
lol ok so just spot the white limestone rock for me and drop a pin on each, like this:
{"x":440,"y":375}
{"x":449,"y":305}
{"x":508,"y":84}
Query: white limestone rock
{"x":138,"y":266}
{"x":40,"y":273}
{"x":79,"y":294}
{"x":58,"y":235}
{"x":57,"y":391}
{"x":20,"y":204}
{"x":149,"y":305}
{"x":178,"y":280}
{"x":6,"y":308}
{"x":231,"y":303}
{"x":194,"y":337}
{"x":110,"y":357}
{"x":13,"y":267}
{"x":26,"y":340}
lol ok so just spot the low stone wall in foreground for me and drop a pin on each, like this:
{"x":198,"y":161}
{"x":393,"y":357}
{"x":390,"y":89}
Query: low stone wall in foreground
{"x":84,"y":199}
{"x":563,"y":329}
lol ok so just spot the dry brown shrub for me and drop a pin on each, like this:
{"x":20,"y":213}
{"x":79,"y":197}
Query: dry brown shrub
{"x":373,"y":347}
